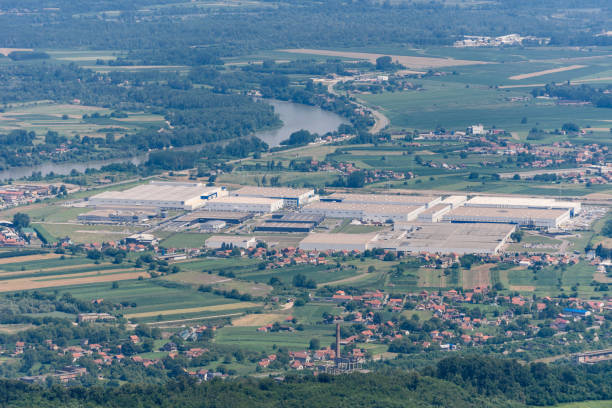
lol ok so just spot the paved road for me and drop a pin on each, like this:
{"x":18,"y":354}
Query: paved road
{"x":380,"y":120}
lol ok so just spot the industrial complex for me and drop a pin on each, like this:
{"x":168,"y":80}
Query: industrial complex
{"x":402,"y":222}
{"x":163,"y":195}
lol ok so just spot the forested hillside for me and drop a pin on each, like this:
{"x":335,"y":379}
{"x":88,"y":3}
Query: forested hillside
{"x":454,"y":382}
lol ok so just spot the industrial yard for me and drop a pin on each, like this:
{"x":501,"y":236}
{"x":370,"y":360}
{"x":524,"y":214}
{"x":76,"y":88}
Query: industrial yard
{"x":403,"y":222}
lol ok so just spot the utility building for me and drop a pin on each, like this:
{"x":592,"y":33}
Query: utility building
{"x":218,"y":241}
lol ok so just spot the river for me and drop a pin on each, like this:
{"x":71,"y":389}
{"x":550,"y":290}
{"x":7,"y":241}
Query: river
{"x":294,"y":116}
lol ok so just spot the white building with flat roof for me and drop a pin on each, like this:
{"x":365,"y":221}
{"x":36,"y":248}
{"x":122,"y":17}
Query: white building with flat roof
{"x":159,"y":194}
{"x":337,"y":242}
{"x":528,"y":217}
{"x":434,"y":214}
{"x":383,"y":199}
{"x":292,"y":197}
{"x":455,"y":200}
{"x":245,"y":204}
{"x":524,"y":202}
{"x":446,"y":238}
{"x":219,"y":241}
{"x":365,"y":212}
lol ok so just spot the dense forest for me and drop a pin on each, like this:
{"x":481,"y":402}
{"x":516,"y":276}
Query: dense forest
{"x":454,"y":381}
{"x":151,"y":24}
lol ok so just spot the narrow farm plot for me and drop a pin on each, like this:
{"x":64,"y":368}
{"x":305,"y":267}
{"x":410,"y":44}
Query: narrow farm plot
{"x":27,"y":258}
{"x":258,"y":320}
{"x":29,"y":284}
{"x":214,"y":308}
{"x":545,"y":72}
{"x":477,"y":277}
{"x":431,"y":278}
{"x":408,"y":61}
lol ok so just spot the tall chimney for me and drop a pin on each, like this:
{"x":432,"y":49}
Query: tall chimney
{"x":337,"y":341}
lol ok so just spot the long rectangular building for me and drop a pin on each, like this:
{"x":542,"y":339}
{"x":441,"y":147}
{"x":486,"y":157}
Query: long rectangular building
{"x":337,"y":242}
{"x":201,"y":216}
{"x":245,"y":204}
{"x":524,"y":202}
{"x":383,"y":199}
{"x":364,"y":212}
{"x":445,"y":238}
{"x":158,"y":194}
{"x":529,"y":217}
{"x":292,"y":197}
{"x":116,"y":216}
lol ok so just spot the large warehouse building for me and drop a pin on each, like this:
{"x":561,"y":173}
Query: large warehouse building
{"x":364,"y":212}
{"x":528,"y":217}
{"x":292,"y":197}
{"x":434,"y":214}
{"x":337,"y":242}
{"x":245,"y":204}
{"x":158,"y":194}
{"x":383,"y":199}
{"x":444,"y":238}
{"x":524,"y":202}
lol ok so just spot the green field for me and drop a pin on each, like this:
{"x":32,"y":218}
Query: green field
{"x":150,"y":296}
{"x":250,"y":338}
{"x":80,"y":233}
{"x":466,"y":95}
{"x":552,"y":280}
{"x":185,"y":240}
{"x":67,"y":119}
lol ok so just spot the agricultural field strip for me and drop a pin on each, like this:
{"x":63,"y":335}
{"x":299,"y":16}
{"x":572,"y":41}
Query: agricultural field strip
{"x":26,"y":284}
{"x":412,"y":62}
{"x":56,"y":271}
{"x":214,"y":308}
{"x":90,"y":273}
{"x":68,"y":275}
{"x":36,"y":257}
{"x":545,"y":72}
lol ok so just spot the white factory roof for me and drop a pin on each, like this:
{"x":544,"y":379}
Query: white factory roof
{"x":531,"y":213}
{"x":455,"y":200}
{"x":336,"y":239}
{"x":246,"y":200}
{"x":159,"y":191}
{"x":393,"y":199}
{"x":272,"y":191}
{"x":435,"y":209}
{"x":521,"y":202}
{"x":366,"y":208}
{"x":458,"y":238}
